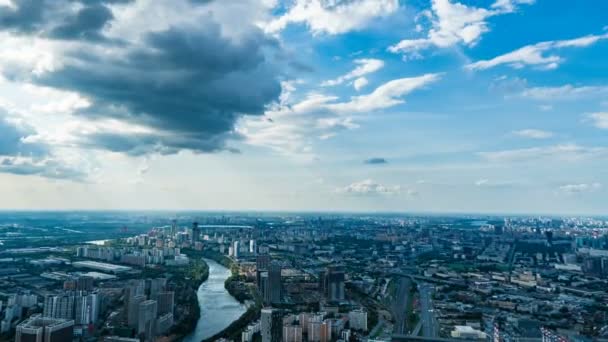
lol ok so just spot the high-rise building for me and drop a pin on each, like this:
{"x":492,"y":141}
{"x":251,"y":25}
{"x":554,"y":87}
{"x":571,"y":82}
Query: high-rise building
{"x":86,"y":308}
{"x":155,"y":286}
{"x":44,"y":329}
{"x":82,"y":283}
{"x":252,"y":247}
{"x":261,"y":265}
{"x":264,"y":287}
{"x":164,"y":323}
{"x":262,"y":262}
{"x":173,"y":228}
{"x":326,"y":331}
{"x":11,"y":312}
{"x":319,"y":331}
{"x":24,"y":300}
{"x":274,"y":282}
{"x":292,"y":333}
{"x":314,"y":331}
{"x":236,"y":245}
{"x":271,"y":325}
{"x":133,"y":313}
{"x":146,"y":325}
{"x":333,"y":284}
{"x":312,"y":325}
{"x":60,"y":306}
{"x":196,"y":233}
{"x":133,"y":289}
{"x":166,"y":300}
{"x":304,"y":319}
{"x":358,"y":320}
{"x":250,"y":331}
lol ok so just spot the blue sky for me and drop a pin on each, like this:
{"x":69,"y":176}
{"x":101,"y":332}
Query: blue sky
{"x":358,"y":105}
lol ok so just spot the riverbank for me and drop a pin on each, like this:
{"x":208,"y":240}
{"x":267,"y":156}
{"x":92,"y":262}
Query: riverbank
{"x":234,"y":283}
{"x":234,"y":287}
{"x":188,"y":280}
{"x":218,"y":308}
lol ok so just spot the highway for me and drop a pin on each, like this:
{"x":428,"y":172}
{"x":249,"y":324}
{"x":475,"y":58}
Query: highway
{"x":400,"y":306}
{"x":430,"y":327}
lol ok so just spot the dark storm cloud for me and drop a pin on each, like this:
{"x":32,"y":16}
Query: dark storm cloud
{"x":375,"y":161}
{"x":55,"y":19}
{"x":191,"y":85}
{"x":26,"y":17}
{"x":12,"y":139}
{"x":188,"y":85}
{"x":146,"y":143}
{"x":86,"y":24}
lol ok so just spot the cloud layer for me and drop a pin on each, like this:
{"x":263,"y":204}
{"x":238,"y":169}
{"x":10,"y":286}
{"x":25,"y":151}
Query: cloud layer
{"x":453,"y":23}
{"x":333,"y":17}
{"x":186,"y":84}
{"x":538,"y":55}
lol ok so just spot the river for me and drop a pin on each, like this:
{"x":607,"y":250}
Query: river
{"x":218,"y":307}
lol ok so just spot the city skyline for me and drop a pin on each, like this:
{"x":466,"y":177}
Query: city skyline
{"x":304,"y":105}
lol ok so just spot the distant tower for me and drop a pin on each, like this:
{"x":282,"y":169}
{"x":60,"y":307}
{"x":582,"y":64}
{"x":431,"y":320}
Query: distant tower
{"x":235,"y":249}
{"x":196,"y":233}
{"x":333,"y":284}
{"x":549,"y":236}
{"x":173,"y":228}
{"x":264,"y":287}
{"x":274,"y":282}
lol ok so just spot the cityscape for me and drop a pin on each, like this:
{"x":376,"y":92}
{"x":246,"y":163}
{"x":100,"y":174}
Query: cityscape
{"x":303,"y":170}
{"x":306,"y":277}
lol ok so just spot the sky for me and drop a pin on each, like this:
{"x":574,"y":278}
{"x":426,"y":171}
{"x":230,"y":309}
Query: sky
{"x":487,"y":106}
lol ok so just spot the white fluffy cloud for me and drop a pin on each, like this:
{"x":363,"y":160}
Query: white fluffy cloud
{"x":533,"y":133}
{"x":481,"y":182}
{"x":359,"y":83}
{"x":370,"y":187}
{"x":599,"y":120}
{"x":510,"y":5}
{"x":364,"y":66}
{"x":333,"y":16}
{"x":453,"y":23}
{"x":291,"y":128}
{"x":387,"y":95}
{"x":565,"y":92}
{"x":580,"y":188}
{"x":538,"y":55}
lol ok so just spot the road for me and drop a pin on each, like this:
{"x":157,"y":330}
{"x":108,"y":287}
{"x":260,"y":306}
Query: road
{"x":430,"y":327}
{"x":400,"y":305}
{"x":430,"y":279}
